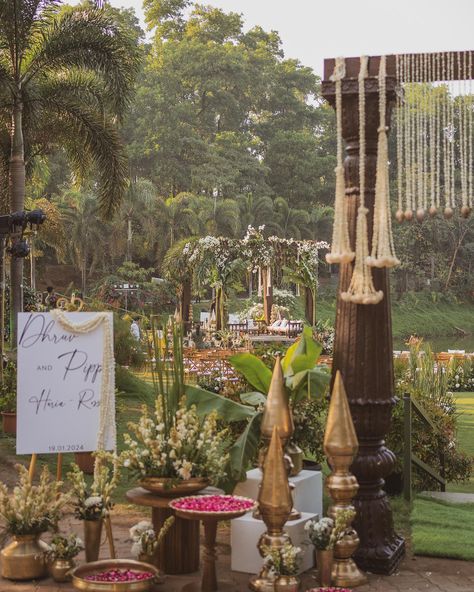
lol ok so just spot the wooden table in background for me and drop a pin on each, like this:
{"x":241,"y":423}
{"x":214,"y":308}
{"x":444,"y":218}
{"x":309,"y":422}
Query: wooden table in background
{"x":180,"y":552}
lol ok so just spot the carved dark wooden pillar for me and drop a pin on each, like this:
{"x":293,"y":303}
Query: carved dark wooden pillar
{"x":363,"y":349}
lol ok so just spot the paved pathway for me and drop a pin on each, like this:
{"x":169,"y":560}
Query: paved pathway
{"x":420,"y":574}
{"x":450,"y":496}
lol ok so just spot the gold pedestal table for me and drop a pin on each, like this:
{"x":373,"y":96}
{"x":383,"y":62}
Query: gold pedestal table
{"x":210,"y":521}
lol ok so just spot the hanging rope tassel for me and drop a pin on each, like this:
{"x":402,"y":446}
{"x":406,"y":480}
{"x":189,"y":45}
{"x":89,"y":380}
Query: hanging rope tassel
{"x":361,"y":289}
{"x":340,"y":247}
{"x":383,"y":252}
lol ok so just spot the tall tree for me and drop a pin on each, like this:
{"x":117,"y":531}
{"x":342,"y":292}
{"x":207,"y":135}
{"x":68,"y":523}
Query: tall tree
{"x":66,"y":76}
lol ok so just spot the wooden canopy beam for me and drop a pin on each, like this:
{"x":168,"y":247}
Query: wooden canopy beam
{"x":353,"y":65}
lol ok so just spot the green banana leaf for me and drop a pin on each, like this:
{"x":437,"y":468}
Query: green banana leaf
{"x":255,"y":399}
{"x":206,"y":402}
{"x":245,"y":448}
{"x":312,"y":384}
{"x":302,"y":355}
{"x":254,"y":370}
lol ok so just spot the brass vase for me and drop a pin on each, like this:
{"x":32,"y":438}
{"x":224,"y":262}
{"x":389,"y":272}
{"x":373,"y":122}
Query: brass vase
{"x":146,"y":558}
{"x":287,"y":584}
{"x":168,"y":487}
{"x":296,"y":454}
{"x":24,"y":558}
{"x":324,"y":561}
{"x":60,"y":569}
{"x":92,"y":536}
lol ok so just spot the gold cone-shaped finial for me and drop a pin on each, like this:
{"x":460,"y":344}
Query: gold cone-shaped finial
{"x":274,"y":497}
{"x":340,"y":437}
{"x":277,"y":410}
{"x":341,"y":445}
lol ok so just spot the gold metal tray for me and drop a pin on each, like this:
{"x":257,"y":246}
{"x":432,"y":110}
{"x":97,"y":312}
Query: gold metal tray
{"x":89,"y":569}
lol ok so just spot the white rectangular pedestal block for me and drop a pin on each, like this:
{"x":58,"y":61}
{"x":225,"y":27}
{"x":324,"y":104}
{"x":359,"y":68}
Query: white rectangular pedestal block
{"x":245,"y":533}
{"x":307,"y":494}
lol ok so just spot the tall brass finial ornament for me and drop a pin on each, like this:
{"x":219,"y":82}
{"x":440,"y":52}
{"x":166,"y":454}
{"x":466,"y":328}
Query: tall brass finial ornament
{"x":275,"y":504}
{"x":340,"y":447}
{"x":277,"y":410}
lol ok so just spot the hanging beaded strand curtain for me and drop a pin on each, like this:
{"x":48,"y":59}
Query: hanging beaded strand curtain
{"x":361,"y":289}
{"x":434,"y":115}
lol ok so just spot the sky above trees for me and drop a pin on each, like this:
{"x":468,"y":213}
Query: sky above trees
{"x":313,"y":30}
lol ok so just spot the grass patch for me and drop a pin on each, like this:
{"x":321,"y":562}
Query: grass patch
{"x":419,"y":314}
{"x":465,"y":435}
{"x":440,"y":529}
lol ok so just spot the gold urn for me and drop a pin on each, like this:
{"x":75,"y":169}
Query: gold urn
{"x":24,"y":558}
{"x":60,"y":569}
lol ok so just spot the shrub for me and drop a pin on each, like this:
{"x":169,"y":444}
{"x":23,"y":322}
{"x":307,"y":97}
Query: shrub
{"x":427,"y":383}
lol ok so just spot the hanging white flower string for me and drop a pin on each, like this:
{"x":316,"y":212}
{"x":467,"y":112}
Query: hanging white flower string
{"x":361,"y":289}
{"x":400,"y":152}
{"x":340,"y":247}
{"x":383,"y":251}
{"x":432,"y":137}
{"x":107,"y":433}
{"x":464,"y":134}
{"x":469,"y":135}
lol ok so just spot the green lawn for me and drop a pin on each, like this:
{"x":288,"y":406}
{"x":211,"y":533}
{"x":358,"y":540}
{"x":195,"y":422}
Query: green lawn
{"x":465,"y":406}
{"x":442,"y":530}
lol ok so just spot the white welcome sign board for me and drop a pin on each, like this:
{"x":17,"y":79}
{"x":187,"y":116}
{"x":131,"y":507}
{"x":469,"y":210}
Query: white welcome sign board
{"x":58,"y":385}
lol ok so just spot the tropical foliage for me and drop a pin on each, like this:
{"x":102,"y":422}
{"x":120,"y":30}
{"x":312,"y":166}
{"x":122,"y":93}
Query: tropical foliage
{"x":303,"y":380}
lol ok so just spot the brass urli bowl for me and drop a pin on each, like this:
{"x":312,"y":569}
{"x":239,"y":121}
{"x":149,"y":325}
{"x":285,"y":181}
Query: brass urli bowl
{"x":95,"y":567}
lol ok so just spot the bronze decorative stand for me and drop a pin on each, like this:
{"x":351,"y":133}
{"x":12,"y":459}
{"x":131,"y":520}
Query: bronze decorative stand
{"x":363,"y":350}
{"x":277,"y":413}
{"x":340,"y":446}
{"x":275,"y":503}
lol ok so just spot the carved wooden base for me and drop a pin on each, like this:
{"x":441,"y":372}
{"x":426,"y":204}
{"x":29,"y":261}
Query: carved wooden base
{"x":381,"y":550}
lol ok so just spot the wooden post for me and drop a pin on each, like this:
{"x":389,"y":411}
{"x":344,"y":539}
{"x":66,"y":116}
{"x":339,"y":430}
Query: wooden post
{"x":407,"y":474}
{"x":267,"y":296}
{"x":309,"y":306}
{"x":363,"y":350}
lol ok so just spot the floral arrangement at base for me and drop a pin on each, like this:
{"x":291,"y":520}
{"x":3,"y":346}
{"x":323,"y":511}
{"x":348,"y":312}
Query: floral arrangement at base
{"x":65,"y":547}
{"x":94,"y":502}
{"x":179,"y":446}
{"x":31,"y":509}
{"x":324,"y":533}
{"x":144,"y":538}
{"x":283,"y":561}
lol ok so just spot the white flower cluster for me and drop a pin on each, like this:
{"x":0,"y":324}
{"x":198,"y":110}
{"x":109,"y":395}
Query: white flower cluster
{"x":31,"y":509}
{"x":189,"y":447}
{"x":319,"y":532}
{"x":144,"y":538}
{"x":282,"y":561}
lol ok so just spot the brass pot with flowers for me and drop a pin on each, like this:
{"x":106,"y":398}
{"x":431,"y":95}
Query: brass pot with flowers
{"x":323,"y":534}
{"x":92,"y":503}
{"x":282,"y":563}
{"x":25,"y":513}
{"x":60,"y":556}
{"x":146,"y":542}
{"x":177,"y":453}
{"x":172,"y":451}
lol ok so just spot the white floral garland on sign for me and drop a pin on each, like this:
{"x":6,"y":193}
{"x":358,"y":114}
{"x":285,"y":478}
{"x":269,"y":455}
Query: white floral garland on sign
{"x":107,"y":394}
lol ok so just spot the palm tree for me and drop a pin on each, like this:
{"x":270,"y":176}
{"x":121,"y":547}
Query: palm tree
{"x":85,"y":231}
{"x":293,"y":221}
{"x":66,"y":76}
